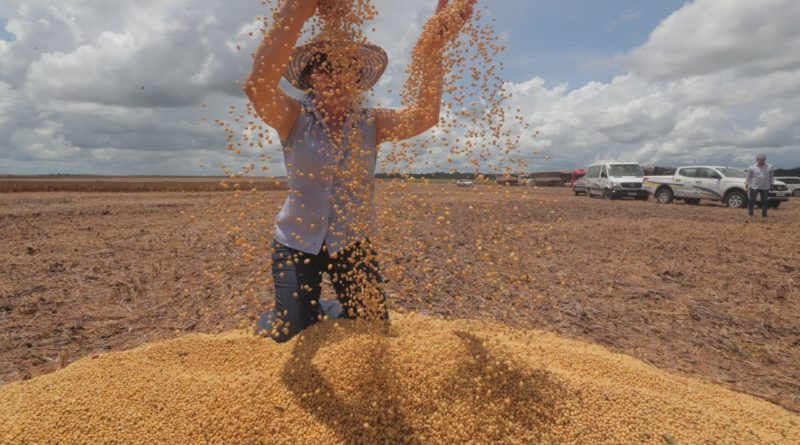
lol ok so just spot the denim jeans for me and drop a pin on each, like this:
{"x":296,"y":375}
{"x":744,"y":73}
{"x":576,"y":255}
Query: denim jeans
{"x":752,"y":201}
{"x":298,"y":286}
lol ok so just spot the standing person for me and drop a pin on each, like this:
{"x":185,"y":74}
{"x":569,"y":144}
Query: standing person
{"x":330,"y":150}
{"x":760,"y":179}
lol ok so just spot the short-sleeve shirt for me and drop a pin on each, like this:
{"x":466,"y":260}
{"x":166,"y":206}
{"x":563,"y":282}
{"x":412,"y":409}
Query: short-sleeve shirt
{"x":331,"y":197}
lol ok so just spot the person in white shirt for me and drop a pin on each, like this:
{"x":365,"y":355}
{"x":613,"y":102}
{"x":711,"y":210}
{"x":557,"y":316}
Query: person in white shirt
{"x":760,"y":179}
{"x":330,"y":144}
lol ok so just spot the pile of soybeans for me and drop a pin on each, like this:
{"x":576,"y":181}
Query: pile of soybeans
{"x":424,"y":381}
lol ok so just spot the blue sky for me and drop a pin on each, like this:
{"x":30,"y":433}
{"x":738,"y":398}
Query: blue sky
{"x":575,"y":41}
{"x":572,"y":41}
{"x":565,"y":41}
{"x":4,"y":35}
{"x":714,"y":84}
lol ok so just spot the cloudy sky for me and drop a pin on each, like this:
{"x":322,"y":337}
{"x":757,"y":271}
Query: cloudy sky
{"x":118,"y":87}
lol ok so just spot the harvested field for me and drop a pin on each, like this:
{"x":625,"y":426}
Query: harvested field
{"x":129,"y":184}
{"x":426,"y":381}
{"x":695,"y":290}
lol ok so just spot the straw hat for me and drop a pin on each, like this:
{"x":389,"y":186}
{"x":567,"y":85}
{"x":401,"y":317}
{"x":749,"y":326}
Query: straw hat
{"x":371,"y":59}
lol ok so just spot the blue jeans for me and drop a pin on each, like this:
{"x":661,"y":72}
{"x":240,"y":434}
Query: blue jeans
{"x":298,"y":286}
{"x":754,"y":193}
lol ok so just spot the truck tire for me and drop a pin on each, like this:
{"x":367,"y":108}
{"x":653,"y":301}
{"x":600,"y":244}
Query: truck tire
{"x":607,"y":194}
{"x":774,"y":204}
{"x":736,"y":199}
{"x":664,"y":195}
{"x":796,"y":193}
{"x":692,"y":201}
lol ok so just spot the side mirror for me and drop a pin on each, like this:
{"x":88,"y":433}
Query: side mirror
{"x":603,"y":175}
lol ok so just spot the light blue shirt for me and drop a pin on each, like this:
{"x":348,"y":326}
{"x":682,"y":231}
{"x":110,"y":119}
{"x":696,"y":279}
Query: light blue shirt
{"x":760,"y":178}
{"x":331,"y":189}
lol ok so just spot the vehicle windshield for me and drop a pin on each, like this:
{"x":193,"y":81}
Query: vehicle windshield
{"x":626,"y":170}
{"x":732,"y":172}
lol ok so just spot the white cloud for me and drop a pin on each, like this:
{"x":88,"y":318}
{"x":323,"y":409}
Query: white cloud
{"x":707,"y":37}
{"x":716,"y":82}
{"x":117,"y":87}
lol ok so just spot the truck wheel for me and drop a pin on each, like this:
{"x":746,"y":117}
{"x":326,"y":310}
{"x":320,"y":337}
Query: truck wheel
{"x":774,"y":204}
{"x":692,"y":201}
{"x":736,"y":199}
{"x":665,"y":195}
{"x":607,"y":194}
{"x":796,"y":193}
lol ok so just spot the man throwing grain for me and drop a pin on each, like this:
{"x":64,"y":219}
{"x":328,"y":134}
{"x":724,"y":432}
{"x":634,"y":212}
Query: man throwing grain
{"x":330,"y":149}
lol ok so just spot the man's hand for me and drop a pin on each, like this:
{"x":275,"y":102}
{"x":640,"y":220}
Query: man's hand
{"x":452,"y":17}
{"x":465,"y":13}
{"x":465,"y":6}
{"x":304,"y":8}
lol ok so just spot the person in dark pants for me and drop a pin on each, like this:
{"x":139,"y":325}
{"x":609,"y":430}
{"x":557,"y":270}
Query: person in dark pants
{"x":330,"y":146}
{"x":298,"y":276}
{"x":760,"y":179}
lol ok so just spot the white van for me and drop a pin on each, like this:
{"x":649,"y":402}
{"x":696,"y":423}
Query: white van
{"x":615,"y":179}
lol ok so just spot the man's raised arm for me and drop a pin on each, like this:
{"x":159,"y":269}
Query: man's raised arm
{"x":274,"y":106}
{"x":427,"y":75}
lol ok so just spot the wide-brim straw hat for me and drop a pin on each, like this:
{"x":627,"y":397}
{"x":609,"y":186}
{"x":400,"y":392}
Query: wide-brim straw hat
{"x":371,"y":60}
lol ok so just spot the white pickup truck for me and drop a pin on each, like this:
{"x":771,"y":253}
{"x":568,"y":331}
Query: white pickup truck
{"x":693,"y":183}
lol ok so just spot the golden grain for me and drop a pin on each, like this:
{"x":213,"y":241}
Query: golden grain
{"x":426,"y":381}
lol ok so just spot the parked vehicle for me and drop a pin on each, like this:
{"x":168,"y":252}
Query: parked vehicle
{"x":615,"y":179}
{"x":793,"y":183}
{"x":658,"y":170}
{"x":576,"y":175}
{"x":464,"y":183}
{"x":579,"y":186}
{"x":507,"y":179}
{"x":547,"y":179}
{"x":694,"y":183}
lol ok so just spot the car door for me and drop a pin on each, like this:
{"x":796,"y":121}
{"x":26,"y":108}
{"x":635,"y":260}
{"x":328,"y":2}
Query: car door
{"x":604,"y":181}
{"x":793,"y":184}
{"x":708,"y":183}
{"x":684,"y":183}
{"x":591,"y":179}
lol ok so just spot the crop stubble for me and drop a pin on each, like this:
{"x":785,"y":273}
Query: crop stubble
{"x":689,"y":289}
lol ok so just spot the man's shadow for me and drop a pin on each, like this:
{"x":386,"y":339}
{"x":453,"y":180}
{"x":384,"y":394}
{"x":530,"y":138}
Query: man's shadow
{"x":509,"y":390}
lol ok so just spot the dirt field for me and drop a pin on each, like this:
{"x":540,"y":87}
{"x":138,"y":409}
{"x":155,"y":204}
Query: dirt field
{"x":55,"y":183}
{"x":697,"y":290}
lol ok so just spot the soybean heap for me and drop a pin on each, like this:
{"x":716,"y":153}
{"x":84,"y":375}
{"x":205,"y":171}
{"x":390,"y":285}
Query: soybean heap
{"x":426,"y":381}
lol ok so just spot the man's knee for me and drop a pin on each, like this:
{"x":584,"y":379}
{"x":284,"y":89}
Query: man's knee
{"x":278,"y":329}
